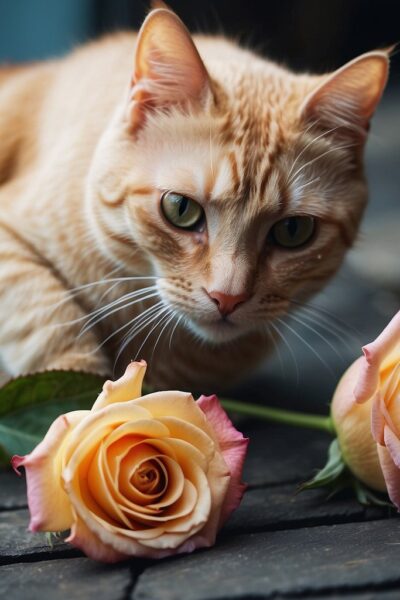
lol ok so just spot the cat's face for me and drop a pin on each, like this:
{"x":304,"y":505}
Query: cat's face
{"x":242,"y":189}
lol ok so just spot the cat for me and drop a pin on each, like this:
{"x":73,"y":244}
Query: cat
{"x":172,"y":199}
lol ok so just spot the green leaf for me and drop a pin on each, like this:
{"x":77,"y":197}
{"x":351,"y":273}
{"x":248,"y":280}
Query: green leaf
{"x":29,"y":404}
{"x":331,"y":472}
{"x":336,"y":476}
{"x":367,"y":497}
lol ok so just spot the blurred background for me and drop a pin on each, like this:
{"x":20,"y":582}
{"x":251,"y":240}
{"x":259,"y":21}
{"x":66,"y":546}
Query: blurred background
{"x":306,"y":35}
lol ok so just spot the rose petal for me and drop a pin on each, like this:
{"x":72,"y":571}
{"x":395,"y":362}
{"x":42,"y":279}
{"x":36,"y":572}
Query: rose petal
{"x":392,"y":443}
{"x":127,"y":387}
{"x":219,"y":481}
{"x":180,"y":405}
{"x":49,"y":505}
{"x":391,"y":474}
{"x":111,"y":474}
{"x":97,"y":545}
{"x":83,"y":538}
{"x":374,"y":355}
{"x":100,"y":490}
{"x":377,"y":420}
{"x":190,"y":433}
{"x":181,"y":508}
{"x":207,"y":509}
{"x":99,"y":425}
{"x":344,"y":399}
{"x":233,"y":446}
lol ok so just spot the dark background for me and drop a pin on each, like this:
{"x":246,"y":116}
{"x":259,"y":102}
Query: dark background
{"x":306,"y":34}
{"x":311,"y":35}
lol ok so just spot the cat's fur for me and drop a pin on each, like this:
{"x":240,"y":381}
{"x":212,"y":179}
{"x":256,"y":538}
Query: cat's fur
{"x":88,"y":144}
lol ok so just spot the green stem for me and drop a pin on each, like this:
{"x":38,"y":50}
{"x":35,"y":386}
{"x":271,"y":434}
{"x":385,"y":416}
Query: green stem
{"x":279,"y":415}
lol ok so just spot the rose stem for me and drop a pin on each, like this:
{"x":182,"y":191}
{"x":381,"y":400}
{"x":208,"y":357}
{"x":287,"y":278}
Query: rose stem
{"x":278,"y":415}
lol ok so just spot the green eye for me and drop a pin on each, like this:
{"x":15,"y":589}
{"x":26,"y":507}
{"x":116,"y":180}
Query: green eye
{"x":182,"y":211}
{"x":293,"y":232}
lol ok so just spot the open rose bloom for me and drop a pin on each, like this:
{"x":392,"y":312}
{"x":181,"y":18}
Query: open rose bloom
{"x":143,"y":476}
{"x":366,"y":413}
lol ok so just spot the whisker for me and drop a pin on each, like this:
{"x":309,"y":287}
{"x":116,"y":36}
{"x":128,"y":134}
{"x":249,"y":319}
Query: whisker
{"x":104,"y":294}
{"x":338,"y":323}
{"x":312,"y":161}
{"x":270,"y":336}
{"x":94,"y":321}
{"x":160,"y":314}
{"x":134,"y":331}
{"x":168,"y":321}
{"x":301,"y":187}
{"x":112,"y":280}
{"x":74,"y":291}
{"x":313,"y":141}
{"x":318,"y":334}
{"x":330,"y":328}
{"x":288,"y":346}
{"x":300,"y":337}
{"x":128,"y":324}
{"x":173,"y":331}
{"x":121,"y":300}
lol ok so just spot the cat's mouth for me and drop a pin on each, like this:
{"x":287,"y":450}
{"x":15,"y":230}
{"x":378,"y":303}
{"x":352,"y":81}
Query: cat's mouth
{"x":216,"y":331}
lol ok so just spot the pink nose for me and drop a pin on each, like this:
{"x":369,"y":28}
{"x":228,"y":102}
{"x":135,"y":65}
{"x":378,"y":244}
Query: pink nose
{"x":226,"y":302}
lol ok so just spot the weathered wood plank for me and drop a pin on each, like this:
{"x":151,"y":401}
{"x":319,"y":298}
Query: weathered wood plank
{"x":318,"y":560}
{"x":264,"y":509}
{"x":283,"y":454}
{"x":12,"y":490}
{"x":72,"y":579}
{"x":18,"y":544}
{"x":279,"y":507}
{"x":378,"y":594}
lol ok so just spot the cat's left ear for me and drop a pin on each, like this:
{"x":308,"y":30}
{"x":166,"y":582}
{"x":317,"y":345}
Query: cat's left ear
{"x":346,"y":100}
{"x":168,"y":69}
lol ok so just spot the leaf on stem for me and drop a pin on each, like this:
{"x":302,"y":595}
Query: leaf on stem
{"x":336,"y":477}
{"x":331,"y":472}
{"x":30,"y":403}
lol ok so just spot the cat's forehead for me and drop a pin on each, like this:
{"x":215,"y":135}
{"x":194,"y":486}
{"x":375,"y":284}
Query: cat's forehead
{"x":233,"y":153}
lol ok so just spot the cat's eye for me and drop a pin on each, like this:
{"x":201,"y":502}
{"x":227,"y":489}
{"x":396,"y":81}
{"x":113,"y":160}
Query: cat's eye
{"x":182,"y":211}
{"x":293,"y":232}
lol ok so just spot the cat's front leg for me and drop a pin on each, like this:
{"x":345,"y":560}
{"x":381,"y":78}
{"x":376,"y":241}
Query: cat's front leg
{"x":40,"y":323}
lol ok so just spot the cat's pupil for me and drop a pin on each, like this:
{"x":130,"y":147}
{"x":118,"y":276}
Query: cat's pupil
{"x":182,"y":206}
{"x":292,"y":226}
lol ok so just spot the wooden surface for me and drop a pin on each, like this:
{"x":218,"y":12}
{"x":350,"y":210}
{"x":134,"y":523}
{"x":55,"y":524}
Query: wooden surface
{"x":278,"y":544}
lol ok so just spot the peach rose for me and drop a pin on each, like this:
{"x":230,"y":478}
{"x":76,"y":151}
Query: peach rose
{"x":366,"y":413}
{"x":143,"y":476}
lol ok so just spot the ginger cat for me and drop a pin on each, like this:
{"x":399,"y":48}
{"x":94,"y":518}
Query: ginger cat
{"x":172,"y":199}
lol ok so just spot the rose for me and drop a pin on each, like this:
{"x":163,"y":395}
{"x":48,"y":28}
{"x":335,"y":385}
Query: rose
{"x":143,"y":476}
{"x":366,"y":413}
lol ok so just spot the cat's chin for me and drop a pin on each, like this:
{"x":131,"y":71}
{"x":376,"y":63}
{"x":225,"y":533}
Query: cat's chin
{"x":217,"y":332}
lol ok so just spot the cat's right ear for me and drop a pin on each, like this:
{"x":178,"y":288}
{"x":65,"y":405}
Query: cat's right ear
{"x":168,"y":69}
{"x":345,"y":101}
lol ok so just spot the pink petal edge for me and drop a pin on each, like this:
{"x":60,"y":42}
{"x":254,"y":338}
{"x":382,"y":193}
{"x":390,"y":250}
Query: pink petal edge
{"x":392,"y":443}
{"x":391,"y":474}
{"x":234,"y":448}
{"x":81,"y":537}
{"x":377,"y":420}
{"x":48,"y":504}
{"x":374,"y":354}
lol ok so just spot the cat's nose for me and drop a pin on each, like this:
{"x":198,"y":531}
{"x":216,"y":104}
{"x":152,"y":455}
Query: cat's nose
{"x":227,"y":303}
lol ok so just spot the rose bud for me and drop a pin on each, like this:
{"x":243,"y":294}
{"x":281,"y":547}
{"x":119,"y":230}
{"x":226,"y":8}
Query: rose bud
{"x":366,"y":413}
{"x":144,"y":476}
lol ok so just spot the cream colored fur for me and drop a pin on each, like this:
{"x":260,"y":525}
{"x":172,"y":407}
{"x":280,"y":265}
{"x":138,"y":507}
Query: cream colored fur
{"x":87,"y":145}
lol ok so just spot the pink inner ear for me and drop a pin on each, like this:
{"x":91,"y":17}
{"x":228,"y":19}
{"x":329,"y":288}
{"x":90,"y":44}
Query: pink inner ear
{"x":348,"y":98}
{"x":168,"y":67}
